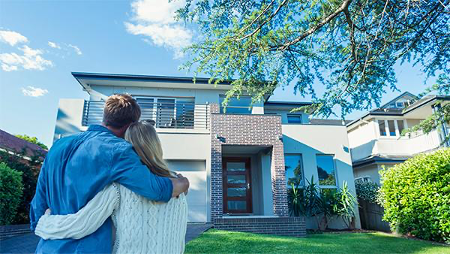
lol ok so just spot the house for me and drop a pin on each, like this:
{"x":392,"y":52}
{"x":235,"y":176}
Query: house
{"x":239,"y":159}
{"x":376,"y":141}
{"x":22,"y":148}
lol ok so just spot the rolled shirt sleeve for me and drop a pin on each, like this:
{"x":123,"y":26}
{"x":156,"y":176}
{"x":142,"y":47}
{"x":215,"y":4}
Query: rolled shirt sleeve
{"x":128,"y":170}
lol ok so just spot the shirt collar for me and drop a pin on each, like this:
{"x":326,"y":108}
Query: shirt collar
{"x":96,"y":127}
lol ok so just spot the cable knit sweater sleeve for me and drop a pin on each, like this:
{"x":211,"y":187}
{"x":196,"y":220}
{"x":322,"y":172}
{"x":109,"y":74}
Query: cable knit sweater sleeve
{"x":85,"y":222}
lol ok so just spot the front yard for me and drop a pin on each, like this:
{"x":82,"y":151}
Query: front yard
{"x":218,"y":241}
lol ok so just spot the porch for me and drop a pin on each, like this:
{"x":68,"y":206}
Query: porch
{"x":248,"y":187}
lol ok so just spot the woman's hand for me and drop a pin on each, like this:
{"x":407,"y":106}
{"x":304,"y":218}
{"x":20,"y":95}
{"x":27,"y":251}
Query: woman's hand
{"x":180,"y":185}
{"x":181,"y":176}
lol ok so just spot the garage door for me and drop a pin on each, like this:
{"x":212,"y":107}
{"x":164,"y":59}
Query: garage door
{"x":195,"y":171}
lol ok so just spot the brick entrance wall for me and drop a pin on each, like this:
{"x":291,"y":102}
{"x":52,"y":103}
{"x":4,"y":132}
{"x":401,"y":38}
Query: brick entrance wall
{"x":263,"y":130}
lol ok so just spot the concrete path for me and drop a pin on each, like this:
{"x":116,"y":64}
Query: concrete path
{"x":27,"y":243}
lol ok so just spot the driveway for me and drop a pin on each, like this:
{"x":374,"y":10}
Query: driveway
{"x":27,"y":243}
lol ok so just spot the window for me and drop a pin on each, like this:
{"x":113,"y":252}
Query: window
{"x":401,"y":126}
{"x":382,"y":126}
{"x":326,"y":170}
{"x":294,"y":118}
{"x":391,"y":126}
{"x":400,"y":104}
{"x":363,"y":179}
{"x":168,"y":112}
{"x":294,"y":170}
{"x":236,"y":106}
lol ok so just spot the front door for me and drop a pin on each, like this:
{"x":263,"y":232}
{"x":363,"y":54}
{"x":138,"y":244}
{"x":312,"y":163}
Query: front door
{"x":237,"y":193}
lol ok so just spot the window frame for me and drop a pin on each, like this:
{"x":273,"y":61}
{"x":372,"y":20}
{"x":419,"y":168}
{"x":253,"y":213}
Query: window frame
{"x":303,"y":181}
{"x":249,"y":108}
{"x":333,"y":156}
{"x":300,"y":116}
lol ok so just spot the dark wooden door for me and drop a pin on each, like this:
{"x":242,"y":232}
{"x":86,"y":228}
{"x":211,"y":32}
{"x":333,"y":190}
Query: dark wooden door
{"x":237,"y":193}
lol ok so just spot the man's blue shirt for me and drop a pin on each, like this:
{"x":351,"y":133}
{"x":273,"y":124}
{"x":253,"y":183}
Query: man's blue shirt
{"x":76,"y":169}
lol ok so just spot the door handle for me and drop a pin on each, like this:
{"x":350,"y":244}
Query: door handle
{"x":248,"y":186}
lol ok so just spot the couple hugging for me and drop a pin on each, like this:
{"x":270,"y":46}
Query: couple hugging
{"x":109,"y":190}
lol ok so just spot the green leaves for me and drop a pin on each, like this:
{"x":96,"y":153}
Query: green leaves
{"x":367,"y":191}
{"x":322,"y":204}
{"x":11,"y":189}
{"x":415,"y":196}
{"x":349,"y":48}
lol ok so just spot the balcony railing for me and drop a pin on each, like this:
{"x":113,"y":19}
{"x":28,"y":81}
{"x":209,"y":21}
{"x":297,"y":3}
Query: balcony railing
{"x":163,"y":114}
{"x":406,"y":146}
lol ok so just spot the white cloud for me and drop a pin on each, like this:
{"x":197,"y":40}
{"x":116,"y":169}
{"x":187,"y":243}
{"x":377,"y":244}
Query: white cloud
{"x":77,"y":49}
{"x":34,"y":91}
{"x":54,"y":45}
{"x":12,"y":38}
{"x":155,"y":19}
{"x":30,"y":60}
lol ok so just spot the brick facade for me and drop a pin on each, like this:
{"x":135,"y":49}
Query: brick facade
{"x":263,"y":130}
{"x":285,"y":226}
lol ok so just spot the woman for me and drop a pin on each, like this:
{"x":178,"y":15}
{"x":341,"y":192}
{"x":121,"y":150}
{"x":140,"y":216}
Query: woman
{"x":142,"y":226}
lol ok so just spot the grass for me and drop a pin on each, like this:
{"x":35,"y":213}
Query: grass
{"x":218,"y":241}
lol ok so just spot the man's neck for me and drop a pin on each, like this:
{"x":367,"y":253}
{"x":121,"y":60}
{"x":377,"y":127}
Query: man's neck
{"x":117,"y":132}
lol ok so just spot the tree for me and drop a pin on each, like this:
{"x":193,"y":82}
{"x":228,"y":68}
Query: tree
{"x":350,"y":46}
{"x":33,"y":140}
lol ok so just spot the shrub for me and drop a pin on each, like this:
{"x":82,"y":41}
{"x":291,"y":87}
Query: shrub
{"x":30,"y":171}
{"x":367,"y":191}
{"x":416,"y":196}
{"x":11,"y":189}
{"x":322,"y":204}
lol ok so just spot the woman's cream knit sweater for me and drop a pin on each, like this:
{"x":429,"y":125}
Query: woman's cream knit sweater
{"x":142,"y":226}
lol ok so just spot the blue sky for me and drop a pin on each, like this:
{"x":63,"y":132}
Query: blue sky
{"x":41,"y":42}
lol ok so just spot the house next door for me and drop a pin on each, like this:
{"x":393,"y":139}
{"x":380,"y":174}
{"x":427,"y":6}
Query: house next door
{"x":237,"y":193}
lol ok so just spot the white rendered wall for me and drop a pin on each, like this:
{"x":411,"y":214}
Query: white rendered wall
{"x":182,"y":150}
{"x":69,"y":118}
{"x":310,"y":140}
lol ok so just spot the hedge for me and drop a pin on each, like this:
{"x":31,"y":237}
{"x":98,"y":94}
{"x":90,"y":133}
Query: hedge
{"x":11,"y":189}
{"x":416,"y":196}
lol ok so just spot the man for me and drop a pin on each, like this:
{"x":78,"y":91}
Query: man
{"x":78,"y":167}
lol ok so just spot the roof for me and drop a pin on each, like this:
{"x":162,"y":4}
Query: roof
{"x":338,"y":122}
{"x":287,"y":103}
{"x":17,"y":145}
{"x":133,"y":77}
{"x":381,"y":111}
{"x":86,"y":80}
{"x":374,"y":159}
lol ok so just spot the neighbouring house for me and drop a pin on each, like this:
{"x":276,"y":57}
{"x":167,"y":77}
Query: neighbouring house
{"x":239,"y":159}
{"x":376,"y":141}
{"x":19,"y":147}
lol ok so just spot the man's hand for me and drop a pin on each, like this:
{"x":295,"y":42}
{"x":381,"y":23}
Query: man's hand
{"x":180,"y":185}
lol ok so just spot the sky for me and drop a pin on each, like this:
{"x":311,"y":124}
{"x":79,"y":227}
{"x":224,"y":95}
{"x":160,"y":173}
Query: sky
{"x":42,"y":42}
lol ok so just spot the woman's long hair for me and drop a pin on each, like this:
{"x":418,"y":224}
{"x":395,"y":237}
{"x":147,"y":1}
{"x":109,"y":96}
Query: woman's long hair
{"x":142,"y":135}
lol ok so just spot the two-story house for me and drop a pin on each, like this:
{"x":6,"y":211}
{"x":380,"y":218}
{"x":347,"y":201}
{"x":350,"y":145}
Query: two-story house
{"x":376,"y":140}
{"x":239,"y":159}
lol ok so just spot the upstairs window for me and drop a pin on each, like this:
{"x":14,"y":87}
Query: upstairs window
{"x":382,"y":126}
{"x":401,"y":126}
{"x":326,"y":170}
{"x":236,"y":106}
{"x":294,"y":118}
{"x":391,"y":126}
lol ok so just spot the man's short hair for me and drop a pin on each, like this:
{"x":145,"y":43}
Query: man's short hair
{"x":120,"y":110}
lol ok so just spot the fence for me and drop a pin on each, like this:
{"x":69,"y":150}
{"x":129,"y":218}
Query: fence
{"x":371,"y":216}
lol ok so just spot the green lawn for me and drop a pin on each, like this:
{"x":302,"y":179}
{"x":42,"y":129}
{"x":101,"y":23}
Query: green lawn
{"x":218,"y":241}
